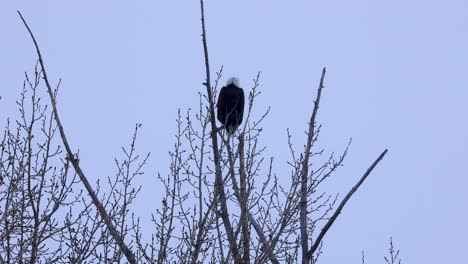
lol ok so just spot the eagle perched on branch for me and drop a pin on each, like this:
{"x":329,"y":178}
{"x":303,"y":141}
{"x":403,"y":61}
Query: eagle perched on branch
{"x":231,"y":105}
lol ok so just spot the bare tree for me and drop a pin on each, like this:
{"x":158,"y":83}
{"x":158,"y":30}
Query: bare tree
{"x":222,"y":202}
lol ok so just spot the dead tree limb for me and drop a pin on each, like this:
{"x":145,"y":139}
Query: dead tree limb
{"x":342,"y":204}
{"x":71,"y":157}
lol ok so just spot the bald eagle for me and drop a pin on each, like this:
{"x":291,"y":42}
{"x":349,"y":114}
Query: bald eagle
{"x":231,"y":105}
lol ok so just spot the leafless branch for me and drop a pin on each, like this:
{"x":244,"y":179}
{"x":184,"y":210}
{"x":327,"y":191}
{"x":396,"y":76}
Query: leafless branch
{"x":305,"y":173}
{"x":218,"y":180}
{"x":342,"y":204}
{"x":71,"y":156}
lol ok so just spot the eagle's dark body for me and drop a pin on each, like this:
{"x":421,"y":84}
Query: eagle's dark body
{"x":231,"y":105}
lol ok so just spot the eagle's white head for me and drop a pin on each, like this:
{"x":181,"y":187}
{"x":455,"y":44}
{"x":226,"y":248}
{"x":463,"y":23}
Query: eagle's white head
{"x":233,"y":80}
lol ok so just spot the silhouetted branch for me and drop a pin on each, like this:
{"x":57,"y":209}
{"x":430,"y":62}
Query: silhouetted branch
{"x":218,"y":177}
{"x":115,"y":234}
{"x":342,"y":204}
{"x":305,"y":172}
{"x":243,"y":204}
{"x":266,"y":245}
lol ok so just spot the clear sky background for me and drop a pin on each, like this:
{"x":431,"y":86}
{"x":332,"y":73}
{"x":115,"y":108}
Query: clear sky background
{"x":397,"y":78}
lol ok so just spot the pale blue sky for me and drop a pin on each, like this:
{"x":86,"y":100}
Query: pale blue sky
{"x":397,"y":78}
